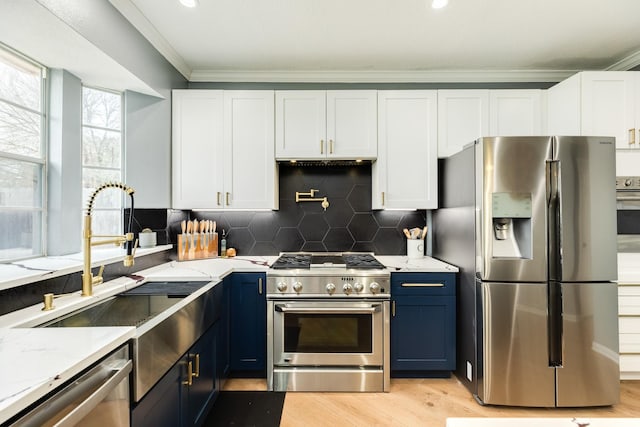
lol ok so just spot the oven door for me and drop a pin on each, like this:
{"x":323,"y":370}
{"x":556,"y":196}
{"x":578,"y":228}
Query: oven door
{"x":328,"y":333}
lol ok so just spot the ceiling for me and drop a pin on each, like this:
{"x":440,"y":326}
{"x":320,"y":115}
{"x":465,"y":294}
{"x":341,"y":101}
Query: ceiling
{"x":389,"y":40}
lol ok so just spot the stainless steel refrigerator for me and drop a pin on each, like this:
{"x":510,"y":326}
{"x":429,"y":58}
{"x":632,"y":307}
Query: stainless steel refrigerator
{"x":531,"y":223}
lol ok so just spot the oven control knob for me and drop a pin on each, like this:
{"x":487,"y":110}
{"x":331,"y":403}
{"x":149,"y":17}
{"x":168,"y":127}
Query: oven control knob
{"x":297,"y":287}
{"x":331,"y":288}
{"x":282,"y":286}
{"x":347,"y":288}
{"x":358,"y":287}
{"x":374,"y":287}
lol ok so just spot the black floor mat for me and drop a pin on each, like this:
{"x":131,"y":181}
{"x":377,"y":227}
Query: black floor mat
{"x":246,"y":408}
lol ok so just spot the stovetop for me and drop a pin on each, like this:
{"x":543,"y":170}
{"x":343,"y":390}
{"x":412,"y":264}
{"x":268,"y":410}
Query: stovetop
{"x":349,"y":260}
{"x":327,"y":275}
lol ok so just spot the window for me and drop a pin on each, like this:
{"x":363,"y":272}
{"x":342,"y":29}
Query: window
{"x":22,"y":157}
{"x":102,"y":157}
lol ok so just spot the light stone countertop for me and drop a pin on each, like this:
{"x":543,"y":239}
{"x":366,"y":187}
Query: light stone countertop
{"x":27,"y":271}
{"x":68,"y":351}
{"x":33,"y":362}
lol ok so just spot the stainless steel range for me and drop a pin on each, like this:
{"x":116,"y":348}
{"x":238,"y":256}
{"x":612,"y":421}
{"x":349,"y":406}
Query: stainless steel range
{"x":328,"y":323}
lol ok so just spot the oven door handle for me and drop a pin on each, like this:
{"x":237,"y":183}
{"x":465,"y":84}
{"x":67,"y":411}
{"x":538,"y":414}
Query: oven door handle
{"x":328,"y":310}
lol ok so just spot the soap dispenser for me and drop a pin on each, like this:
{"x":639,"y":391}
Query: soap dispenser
{"x":223,"y":244}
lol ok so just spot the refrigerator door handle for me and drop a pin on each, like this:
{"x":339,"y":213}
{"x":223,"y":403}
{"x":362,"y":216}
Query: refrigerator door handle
{"x":554,"y":294}
{"x":554,"y":207}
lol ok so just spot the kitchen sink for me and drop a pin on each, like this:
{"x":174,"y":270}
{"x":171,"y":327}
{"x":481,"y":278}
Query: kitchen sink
{"x":186,"y":314}
{"x":120,"y":310}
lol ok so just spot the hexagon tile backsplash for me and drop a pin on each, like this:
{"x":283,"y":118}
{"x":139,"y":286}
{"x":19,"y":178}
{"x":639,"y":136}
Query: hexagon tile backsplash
{"x":348,"y":224}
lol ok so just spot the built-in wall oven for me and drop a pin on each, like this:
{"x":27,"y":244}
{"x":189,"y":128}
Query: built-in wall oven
{"x":628,"y":205}
{"x":328,"y":323}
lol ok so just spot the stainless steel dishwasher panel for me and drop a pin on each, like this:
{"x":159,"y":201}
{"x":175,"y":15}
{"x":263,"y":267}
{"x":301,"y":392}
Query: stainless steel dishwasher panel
{"x":98,"y":397}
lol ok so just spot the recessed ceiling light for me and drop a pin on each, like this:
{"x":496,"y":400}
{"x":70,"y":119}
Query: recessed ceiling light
{"x":189,"y":3}
{"x":439,"y":4}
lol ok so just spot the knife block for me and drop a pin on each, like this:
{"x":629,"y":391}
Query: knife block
{"x":197,"y":246}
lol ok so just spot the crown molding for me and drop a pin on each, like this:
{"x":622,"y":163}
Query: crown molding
{"x":627,"y":63}
{"x":142,"y":24}
{"x":388,"y":76}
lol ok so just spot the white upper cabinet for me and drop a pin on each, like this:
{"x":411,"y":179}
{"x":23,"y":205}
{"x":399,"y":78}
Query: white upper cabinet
{"x":600,"y":103}
{"x":250,"y":174}
{"x":463,"y":117}
{"x":223,"y":150}
{"x":318,"y":125}
{"x":197,"y":139}
{"x":610,"y":106}
{"x":406,"y":172}
{"x":515,"y":112}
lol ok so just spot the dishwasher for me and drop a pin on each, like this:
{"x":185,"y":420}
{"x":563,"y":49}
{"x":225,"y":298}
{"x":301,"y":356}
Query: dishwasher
{"x":98,"y":397}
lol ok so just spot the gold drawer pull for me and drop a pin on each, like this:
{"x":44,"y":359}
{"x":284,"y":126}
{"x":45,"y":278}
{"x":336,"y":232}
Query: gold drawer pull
{"x":383,"y":198}
{"x":196,"y":374}
{"x":322,"y":146}
{"x":423,"y":285}
{"x":189,"y":380}
{"x":218,"y":197}
{"x":632,"y":136}
{"x":331,"y":146}
{"x":227,"y":198}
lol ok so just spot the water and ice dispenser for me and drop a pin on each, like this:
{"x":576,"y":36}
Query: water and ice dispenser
{"x":511,"y":216}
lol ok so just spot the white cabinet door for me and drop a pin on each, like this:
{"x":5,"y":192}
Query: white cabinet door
{"x":463,"y":117}
{"x":352,"y":124}
{"x":300,"y":124}
{"x":405,"y":174}
{"x":248,"y":154}
{"x":608,"y":104}
{"x":563,"y":107}
{"x":197,"y":138}
{"x":515,"y":112}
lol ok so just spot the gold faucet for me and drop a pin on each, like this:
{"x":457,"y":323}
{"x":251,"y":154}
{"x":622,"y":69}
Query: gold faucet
{"x":88,"y":280}
{"x":323,"y":200}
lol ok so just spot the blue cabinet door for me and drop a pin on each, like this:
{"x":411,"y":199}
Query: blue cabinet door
{"x":423,"y":334}
{"x":161,"y":406}
{"x":203,"y":389}
{"x":248,"y":327}
{"x":222,"y":363}
{"x":423,"y":324}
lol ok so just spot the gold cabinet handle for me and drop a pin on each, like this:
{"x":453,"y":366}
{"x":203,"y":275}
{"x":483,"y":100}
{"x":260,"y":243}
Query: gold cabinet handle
{"x":422,"y":285}
{"x":196,"y":374}
{"x":189,"y":380}
{"x":227,"y":198}
{"x":322,"y":146}
{"x":331,"y":146}
{"x":393,"y":309}
{"x":218,"y":197}
{"x":383,"y":198}
{"x":632,"y":136}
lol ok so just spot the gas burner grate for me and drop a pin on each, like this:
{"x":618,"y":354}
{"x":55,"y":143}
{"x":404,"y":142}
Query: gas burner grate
{"x":362,"y":261}
{"x":290,"y":261}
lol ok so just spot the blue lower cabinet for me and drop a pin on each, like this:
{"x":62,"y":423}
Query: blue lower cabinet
{"x":161,"y":406}
{"x":200,"y":394}
{"x":248,"y":325}
{"x":185,"y":395}
{"x":423,"y":324}
{"x":223,"y":362}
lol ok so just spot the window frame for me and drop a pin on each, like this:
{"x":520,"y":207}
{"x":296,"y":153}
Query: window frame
{"x":41,"y":161}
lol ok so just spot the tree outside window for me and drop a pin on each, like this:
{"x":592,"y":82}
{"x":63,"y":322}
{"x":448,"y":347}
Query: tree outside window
{"x":22,"y":157}
{"x":102,"y":157}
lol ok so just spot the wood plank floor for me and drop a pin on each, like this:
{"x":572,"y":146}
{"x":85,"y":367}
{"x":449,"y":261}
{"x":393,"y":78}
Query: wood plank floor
{"x":419,"y":402}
